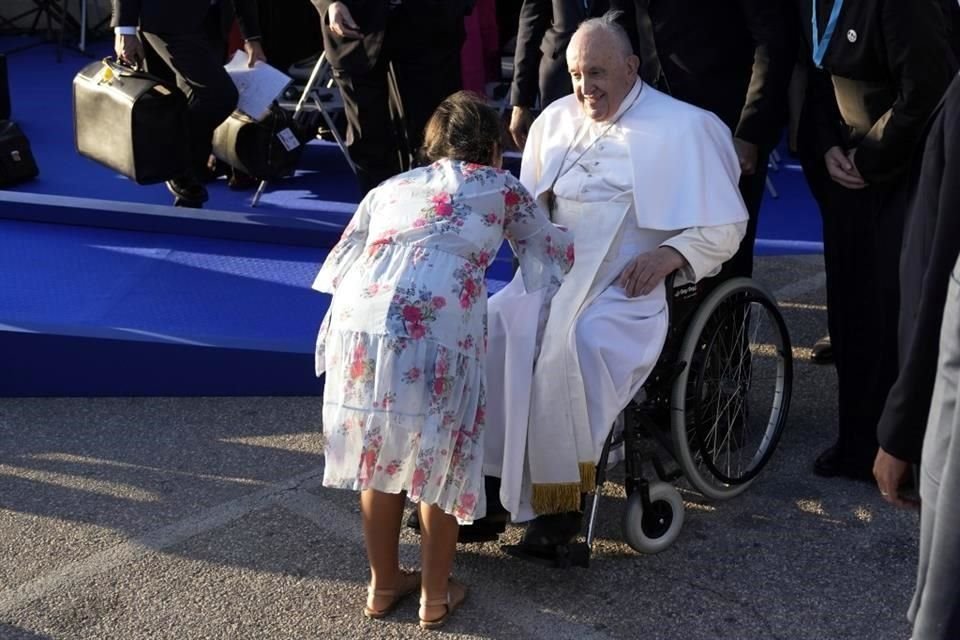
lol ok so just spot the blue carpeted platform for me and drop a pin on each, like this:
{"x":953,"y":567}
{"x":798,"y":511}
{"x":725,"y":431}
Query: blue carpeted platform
{"x":107,"y":290}
{"x":72,"y":296}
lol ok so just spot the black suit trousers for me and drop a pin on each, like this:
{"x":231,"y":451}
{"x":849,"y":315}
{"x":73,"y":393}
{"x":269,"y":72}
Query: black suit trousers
{"x":862,"y":232}
{"x":195,"y":61}
{"x":426,"y":74}
{"x":555,"y":80}
{"x":752,"y":188}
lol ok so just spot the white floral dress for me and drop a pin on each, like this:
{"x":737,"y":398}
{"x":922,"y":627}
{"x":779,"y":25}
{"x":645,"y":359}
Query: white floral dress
{"x":403,"y":342}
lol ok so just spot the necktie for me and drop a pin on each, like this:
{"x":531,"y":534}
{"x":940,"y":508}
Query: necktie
{"x":650,"y":69}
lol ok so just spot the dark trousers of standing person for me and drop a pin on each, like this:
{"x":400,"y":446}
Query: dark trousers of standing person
{"x":862,"y":233}
{"x":752,"y":188}
{"x":196,"y":62}
{"x":426,"y":73}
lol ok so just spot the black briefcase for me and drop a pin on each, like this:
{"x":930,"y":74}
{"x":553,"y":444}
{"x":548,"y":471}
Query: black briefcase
{"x":16,"y":160}
{"x":266,"y":149}
{"x":130,"y":121}
{"x":4,"y":89}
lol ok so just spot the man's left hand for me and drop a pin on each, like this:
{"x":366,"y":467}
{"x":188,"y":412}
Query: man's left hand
{"x":748,"y":154}
{"x":255,"y":52}
{"x":890,"y":472}
{"x":647,"y":270}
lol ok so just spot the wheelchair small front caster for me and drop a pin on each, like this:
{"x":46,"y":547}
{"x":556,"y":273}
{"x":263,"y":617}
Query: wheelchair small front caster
{"x":654,"y":527}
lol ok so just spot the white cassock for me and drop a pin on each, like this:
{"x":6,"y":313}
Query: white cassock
{"x":665,"y":174}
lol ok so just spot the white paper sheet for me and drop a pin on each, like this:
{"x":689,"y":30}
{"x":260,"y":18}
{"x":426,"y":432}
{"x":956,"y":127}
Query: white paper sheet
{"x":258,"y":86}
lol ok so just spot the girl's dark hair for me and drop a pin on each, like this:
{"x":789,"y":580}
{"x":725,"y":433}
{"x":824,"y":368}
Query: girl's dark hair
{"x":463,"y":128}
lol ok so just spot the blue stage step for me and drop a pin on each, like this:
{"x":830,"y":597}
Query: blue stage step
{"x":86,"y":311}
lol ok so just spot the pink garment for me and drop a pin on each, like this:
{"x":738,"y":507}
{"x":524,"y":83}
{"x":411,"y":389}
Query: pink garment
{"x":480,"y":56}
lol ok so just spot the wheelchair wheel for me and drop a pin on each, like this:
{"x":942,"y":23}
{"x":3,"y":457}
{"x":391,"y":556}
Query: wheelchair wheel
{"x":653,"y":530}
{"x":729,"y":404}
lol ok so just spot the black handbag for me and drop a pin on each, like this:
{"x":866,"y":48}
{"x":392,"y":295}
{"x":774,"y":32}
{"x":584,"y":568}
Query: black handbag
{"x":16,"y":160}
{"x":266,"y":149}
{"x":130,"y":121}
{"x":4,"y":89}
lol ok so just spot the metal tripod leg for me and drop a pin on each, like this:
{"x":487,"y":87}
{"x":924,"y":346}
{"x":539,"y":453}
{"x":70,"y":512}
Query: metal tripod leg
{"x":319,"y":72}
{"x":396,"y":107}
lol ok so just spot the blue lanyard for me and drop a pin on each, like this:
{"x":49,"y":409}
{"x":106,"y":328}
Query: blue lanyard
{"x":820,"y":45}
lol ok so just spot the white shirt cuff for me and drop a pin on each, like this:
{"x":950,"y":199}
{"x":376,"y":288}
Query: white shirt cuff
{"x":125,"y":31}
{"x":706,"y":248}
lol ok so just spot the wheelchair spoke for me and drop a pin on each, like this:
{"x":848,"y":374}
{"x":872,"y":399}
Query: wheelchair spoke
{"x":730,"y":406}
{"x":729,"y":441}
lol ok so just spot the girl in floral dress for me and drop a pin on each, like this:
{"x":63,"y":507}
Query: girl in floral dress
{"x":403,"y":345}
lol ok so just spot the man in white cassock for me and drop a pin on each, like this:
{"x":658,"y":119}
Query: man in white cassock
{"x":648,"y":185}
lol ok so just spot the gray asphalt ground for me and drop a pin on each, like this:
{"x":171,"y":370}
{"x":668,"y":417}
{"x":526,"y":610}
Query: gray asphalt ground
{"x":139,"y":518}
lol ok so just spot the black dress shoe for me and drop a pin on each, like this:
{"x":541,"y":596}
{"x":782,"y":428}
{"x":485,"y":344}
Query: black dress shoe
{"x":552,"y":529}
{"x":486,"y":529}
{"x":822,"y":352}
{"x":187,"y":192}
{"x":834,"y":463}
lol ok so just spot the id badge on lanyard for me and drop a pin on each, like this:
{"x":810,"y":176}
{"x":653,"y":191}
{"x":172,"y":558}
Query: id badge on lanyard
{"x":820,"y":45}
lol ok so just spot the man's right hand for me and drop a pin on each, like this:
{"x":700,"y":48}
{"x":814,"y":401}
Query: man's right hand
{"x":342,"y":23}
{"x":129,"y":49}
{"x":842,"y":170}
{"x":520,"y":121}
{"x":647,"y":270}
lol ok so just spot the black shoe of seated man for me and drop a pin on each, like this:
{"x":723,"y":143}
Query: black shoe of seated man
{"x":188,"y":192}
{"x":486,"y":529}
{"x":834,"y":463}
{"x":545,"y":533}
{"x":822,"y":352}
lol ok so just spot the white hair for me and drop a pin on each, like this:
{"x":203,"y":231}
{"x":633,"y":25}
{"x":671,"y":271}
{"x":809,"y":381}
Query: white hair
{"x":609,"y":25}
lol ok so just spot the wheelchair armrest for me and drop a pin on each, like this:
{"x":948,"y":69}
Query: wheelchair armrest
{"x":668,"y":290}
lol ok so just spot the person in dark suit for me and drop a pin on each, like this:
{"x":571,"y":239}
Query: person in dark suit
{"x":734,"y":58}
{"x":421,"y":39}
{"x":951,"y":15}
{"x":886,"y":65}
{"x":540,"y":62}
{"x":188,"y":36}
{"x":930,"y":248}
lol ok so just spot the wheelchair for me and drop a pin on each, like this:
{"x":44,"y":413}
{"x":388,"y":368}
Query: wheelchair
{"x":715,"y":404}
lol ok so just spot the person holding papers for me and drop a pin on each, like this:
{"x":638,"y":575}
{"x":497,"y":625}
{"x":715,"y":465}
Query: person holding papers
{"x":187,"y":37}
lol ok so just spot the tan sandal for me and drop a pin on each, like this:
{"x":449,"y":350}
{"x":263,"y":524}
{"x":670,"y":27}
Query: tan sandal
{"x":449,"y":602}
{"x":409,"y":583}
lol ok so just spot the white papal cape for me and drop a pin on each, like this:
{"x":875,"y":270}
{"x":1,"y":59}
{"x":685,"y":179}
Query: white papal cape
{"x":665,"y":174}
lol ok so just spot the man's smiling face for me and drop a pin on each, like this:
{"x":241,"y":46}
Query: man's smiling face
{"x":601,"y":71}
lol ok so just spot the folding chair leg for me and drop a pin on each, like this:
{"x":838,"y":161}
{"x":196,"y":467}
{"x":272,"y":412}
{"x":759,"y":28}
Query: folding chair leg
{"x":339,"y":140}
{"x":396,"y":103}
{"x":772,"y":189}
{"x":318,"y":72}
{"x":259,"y":192}
{"x":311,"y":82}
